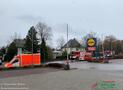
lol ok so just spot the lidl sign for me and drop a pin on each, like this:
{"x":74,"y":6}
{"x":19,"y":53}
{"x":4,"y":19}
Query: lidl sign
{"x":91,"y":43}
{"x":92,"y":48}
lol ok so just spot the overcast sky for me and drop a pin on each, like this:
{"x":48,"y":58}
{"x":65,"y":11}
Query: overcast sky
{"x":101,"y":16}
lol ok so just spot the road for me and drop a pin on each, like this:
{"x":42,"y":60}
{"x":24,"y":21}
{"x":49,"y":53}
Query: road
{"x":26,"y":72}
{"x":84,"y":77}
{"x":112,"y":65}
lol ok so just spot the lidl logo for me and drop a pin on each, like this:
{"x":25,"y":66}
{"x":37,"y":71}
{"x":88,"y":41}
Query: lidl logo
{"x":91,"y":42}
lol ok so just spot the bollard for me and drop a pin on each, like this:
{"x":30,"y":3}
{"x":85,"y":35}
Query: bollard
{"x":67,"y":66}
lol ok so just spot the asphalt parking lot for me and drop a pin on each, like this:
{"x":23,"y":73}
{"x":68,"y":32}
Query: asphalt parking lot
{"x":112,"y":65}
{"x":86,"y":76}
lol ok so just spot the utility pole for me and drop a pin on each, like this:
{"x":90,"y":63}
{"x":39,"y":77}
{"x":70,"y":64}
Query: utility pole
{"x":32,"y":47}
{"x":103,"y":47}
{"x":67,"y":66}
{"x":67,"y":42}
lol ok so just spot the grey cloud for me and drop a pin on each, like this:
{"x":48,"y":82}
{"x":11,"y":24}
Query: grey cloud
{"x":101,"y":16}
{"x":29,"y":18}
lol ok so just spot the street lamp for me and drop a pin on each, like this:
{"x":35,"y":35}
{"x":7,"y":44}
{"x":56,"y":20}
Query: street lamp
{"x":67,"y":66}
{"x":103,"y":47}
{"x":32,"y":48}
{"x":67,"y":42}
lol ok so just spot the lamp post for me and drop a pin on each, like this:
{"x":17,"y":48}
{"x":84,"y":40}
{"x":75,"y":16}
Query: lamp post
{"x":67,"y":42}
{"x":67,"y":66}
{"x":32,"y":48}
{"x":103,"y":50}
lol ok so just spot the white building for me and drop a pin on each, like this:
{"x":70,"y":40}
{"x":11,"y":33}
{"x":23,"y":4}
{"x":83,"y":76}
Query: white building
{"x":73,"y":45}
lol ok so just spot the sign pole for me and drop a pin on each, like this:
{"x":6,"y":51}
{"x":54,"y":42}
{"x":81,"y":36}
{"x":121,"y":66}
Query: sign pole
{"x":67,"y":66}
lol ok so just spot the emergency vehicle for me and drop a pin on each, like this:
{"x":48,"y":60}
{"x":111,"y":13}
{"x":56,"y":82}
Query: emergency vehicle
{"x":24,"y":60}
{"x":80,"y":55}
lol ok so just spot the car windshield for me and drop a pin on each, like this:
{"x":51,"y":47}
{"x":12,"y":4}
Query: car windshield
{"x":15,"y":61}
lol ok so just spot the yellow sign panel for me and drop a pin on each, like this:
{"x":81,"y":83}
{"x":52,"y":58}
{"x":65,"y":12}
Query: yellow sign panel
{"x":91,"y":42}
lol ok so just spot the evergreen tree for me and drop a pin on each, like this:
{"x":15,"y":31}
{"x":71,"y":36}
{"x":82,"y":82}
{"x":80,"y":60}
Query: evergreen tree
{"x":31,"y":40}
{"x":50,"y":53}
{"x":11,"y":51}
{"x":43,"y":51}
{"x":2,"y":51}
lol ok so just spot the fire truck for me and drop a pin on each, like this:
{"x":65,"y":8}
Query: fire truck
{"x":80,"y":55}
{"x":88,"y":56}
{"x":24,"y":60}
{"x":102,"y":57}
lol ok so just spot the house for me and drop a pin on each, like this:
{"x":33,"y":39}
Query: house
{"x":56,"y":53}
{"x":19,"y":44}
{"x":72,"y":45}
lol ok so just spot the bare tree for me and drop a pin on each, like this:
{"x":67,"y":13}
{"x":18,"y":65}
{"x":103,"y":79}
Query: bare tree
{"x":60,"y":42}
{"x":44,"y":31}
{"x":109,"y":42}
